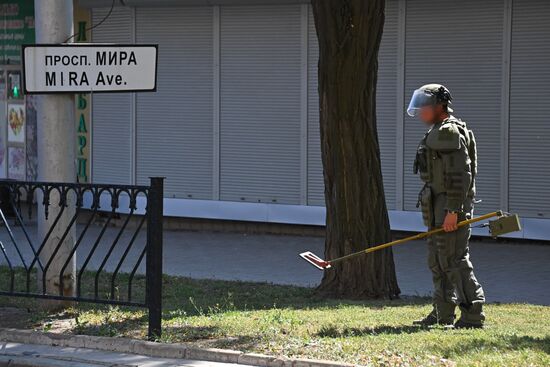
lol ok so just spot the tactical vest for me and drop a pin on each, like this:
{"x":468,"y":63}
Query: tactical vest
{"x":470,"y":143}
{"x":427,"y":159}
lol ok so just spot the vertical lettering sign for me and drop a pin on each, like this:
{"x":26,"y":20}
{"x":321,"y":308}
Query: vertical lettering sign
{"x":82,"y":137}
{"x":82,"y":21}
{"x":81,"y":68}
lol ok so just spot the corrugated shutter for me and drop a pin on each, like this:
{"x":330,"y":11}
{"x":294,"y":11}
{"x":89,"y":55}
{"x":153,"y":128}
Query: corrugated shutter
{"x":529,"y":190}
{"x":112,"y":112}
{"x":175,"y":124}
{"x":260,"y":104}
{"x":315,"y":183}
{"x":458,"y":44}
{"x":385,"y":106}
{"x":385,"y":101}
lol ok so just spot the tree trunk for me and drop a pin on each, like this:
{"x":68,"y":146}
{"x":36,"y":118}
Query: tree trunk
{"x":349,"y":33}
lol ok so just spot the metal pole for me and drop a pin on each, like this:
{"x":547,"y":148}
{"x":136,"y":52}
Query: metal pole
{"x":56,"y":147}
{"x":155,"y":210}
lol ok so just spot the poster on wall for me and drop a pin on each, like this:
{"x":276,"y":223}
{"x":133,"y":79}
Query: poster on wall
{"x":16,"y":123}
{"x":16,"y":163}
{"x":3,"y":124}
{"x":30,"y":143}
{"x":2,"y":85}
{"x":3,"y":157}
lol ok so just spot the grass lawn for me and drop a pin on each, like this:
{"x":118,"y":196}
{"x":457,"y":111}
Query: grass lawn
{"x":292,"y":321}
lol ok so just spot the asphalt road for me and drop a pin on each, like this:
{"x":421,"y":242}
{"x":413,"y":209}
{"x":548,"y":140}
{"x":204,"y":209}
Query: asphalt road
{"x":509,"y":272}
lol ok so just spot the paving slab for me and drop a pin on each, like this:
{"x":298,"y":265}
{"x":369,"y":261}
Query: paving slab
{"x":43,"y":355}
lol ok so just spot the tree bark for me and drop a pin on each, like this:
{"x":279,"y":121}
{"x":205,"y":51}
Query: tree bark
{"x":349,"y":33}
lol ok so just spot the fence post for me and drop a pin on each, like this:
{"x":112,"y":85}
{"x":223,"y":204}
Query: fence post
{"x":154,"y":256}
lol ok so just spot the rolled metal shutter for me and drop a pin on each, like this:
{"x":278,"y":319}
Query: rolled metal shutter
{"x":385,"y":101}
{"x":260,"y":103}
{"x":529,"y":164}
{"x":385,"y":110}
{"x":112,"y":112}
{"x":174,"y":129}
{"x":315,"y":181}
{"x":460,"y":45}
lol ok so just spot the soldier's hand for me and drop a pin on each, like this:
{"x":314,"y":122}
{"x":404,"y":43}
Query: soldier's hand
{"x":451,"y":222}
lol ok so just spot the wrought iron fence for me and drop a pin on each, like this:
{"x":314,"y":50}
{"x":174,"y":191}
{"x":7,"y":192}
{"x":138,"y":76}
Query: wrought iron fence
{"x":59,"y":241}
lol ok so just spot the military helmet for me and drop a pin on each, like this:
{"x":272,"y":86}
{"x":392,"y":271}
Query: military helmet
{"x":429,"y":95}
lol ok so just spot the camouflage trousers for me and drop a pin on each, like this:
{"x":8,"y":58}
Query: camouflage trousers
{"x":452,"y":271}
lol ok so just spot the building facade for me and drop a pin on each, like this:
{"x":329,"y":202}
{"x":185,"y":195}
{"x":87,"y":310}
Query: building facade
{"x":18,"y":158}
{"x":233,"y":125}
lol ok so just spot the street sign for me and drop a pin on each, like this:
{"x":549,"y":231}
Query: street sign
{"x":84,"y":68}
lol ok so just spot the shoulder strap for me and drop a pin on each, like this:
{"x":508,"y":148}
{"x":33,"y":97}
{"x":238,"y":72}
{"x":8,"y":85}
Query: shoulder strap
{"x":470,"y":142}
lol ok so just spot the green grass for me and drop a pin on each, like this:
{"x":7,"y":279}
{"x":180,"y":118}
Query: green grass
{"x":293,"y":321}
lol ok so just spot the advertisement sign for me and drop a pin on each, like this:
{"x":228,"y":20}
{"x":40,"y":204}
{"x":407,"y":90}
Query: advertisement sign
{"x":80,"y":68}
{"x":16,"y":29}
{"x":16,"y":163}
{"x":3,"y":146}
{"x":31,"y":138}
{"x":16,"y":123}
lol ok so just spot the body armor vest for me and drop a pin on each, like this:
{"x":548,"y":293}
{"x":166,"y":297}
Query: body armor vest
{"x":428,"y":162}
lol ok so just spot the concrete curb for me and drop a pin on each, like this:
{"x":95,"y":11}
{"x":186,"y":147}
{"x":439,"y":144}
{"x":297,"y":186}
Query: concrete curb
{"x":22,"y":361}
{"x":159,"y":350}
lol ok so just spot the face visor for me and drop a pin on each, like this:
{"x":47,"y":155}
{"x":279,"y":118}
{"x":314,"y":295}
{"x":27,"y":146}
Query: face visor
{"x":419,"y":99}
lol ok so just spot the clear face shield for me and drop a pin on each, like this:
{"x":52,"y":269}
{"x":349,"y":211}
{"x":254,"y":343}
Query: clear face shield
{"x":419,"y":99}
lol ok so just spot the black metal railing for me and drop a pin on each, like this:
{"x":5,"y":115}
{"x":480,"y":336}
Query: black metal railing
{"x":83,"y":243}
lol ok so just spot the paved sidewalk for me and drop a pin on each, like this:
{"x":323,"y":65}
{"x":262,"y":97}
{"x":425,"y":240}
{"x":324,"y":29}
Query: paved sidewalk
{"x":509,"y":272}
{"x":42,"y":355}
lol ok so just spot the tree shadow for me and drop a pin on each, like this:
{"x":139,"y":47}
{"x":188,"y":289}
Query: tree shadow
{"x":523,"y":342}
{"x":207,"y":296}
{"x":14,"y":317}
{"x":192,"y":333}
{"x":219,"y":303}
{"x":242,"y":343}
{"x":502,"y":344}
{"x":335,"y":332}
{"x":194,"y":296}
{"x":109,"y":327}
{"x":210,"y":337}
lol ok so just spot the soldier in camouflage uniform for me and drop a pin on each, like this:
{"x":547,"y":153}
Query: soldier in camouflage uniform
{"x":446,"y":162}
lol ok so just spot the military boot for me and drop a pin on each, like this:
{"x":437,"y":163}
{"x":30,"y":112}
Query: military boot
{"x":426,"y":321}
{"x":461,"y":324}
{"x":433,"y":319}
{"x":472,"y":316}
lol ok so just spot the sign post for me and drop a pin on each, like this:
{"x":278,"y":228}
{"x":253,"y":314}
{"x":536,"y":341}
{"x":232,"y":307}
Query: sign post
{"x":56,"y":152}
{"x":80,"y":68}
{"x":60,"y":71}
